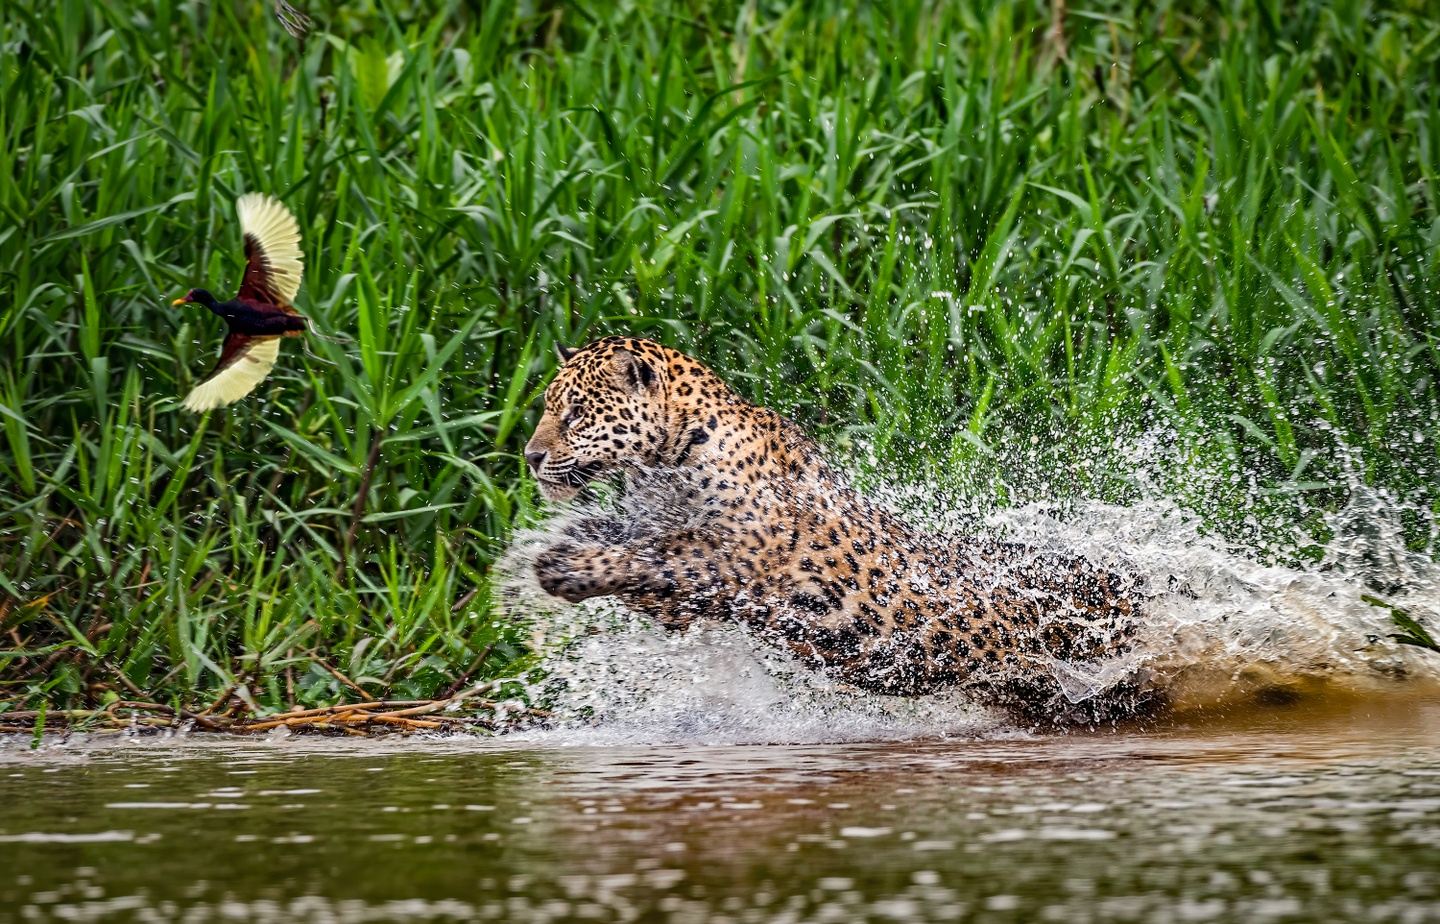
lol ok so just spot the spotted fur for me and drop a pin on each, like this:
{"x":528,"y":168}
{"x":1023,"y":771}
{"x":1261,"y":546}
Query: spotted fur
{"x":752,"y":524}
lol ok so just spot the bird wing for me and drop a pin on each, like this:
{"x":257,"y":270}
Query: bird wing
{"x":274,"y":262}
{"x":244,"y":363}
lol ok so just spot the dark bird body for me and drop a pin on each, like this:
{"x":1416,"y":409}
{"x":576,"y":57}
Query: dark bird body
{"x":252,"y":319}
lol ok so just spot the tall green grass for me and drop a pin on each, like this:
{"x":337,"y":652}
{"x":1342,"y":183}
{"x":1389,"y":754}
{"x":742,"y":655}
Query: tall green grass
{"x":894,"y":221}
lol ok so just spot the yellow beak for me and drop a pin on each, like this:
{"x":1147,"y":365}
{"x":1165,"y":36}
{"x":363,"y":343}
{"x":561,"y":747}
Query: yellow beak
{"x":180,"y":301}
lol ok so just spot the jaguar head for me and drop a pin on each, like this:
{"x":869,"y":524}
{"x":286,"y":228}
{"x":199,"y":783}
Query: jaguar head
{"x":605,"y":410}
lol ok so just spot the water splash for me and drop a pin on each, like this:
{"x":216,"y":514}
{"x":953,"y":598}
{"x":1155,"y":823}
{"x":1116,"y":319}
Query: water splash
{"x":1233,"y":621}
{"x":1236,"y":626}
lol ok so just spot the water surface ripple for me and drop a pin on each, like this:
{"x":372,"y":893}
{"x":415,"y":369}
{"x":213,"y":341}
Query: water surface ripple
{"x":1279,"y":814}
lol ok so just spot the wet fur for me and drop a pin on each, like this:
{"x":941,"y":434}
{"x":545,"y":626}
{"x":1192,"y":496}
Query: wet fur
{"x":752,"y":524}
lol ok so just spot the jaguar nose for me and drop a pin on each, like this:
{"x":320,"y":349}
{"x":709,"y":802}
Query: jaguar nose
{"x":535,"y":460}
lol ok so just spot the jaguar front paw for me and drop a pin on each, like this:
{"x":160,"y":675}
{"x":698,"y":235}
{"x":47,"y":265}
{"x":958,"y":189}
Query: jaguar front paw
{"x":574,"y":571}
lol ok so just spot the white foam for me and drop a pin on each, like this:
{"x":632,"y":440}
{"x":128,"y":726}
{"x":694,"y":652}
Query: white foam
{"x":1230,"y":618}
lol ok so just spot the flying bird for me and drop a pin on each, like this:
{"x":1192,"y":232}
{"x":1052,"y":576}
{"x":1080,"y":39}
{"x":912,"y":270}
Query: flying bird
{"x":260,"y":313}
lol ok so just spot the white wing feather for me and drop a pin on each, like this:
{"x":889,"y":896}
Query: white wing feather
{"x":236,"y":380}
{"x":278,"y":233}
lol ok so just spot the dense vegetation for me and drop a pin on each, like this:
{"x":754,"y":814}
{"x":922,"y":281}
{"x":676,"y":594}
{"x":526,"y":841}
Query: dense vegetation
{"x":906,"y":223}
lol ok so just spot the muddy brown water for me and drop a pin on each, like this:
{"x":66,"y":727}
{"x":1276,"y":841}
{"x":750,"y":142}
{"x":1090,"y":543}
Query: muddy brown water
{"x":1284,"y":813}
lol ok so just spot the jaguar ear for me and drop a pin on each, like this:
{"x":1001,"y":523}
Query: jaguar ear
{"x":632,"y":369}
{"x":565,"y":352}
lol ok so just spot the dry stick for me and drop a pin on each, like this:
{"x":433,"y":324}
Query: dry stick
{"x":366,"y":718}
{"x":406,"y":723}
{"x":280,"y":472}
{"x":91,"y":634}
{"x":224,"y":695}
{"x":19,"y":643}
{"x":111,"y":710}
{"x":144,"y":572}
{"x":322,"y":719}
{"x":345,"y":680}
{"x":360,"y":716}
{"x":371,"y":460}
{"x":1056,"y":33}
{"x":743,"y":58}
{"x":247,"y":727}
{"x":554,"y":29}
{"x":51,"y":713}
{"x":346,"y":722}
{"x":437,"y":705}
{"x":465,"y":675}
{"x":110,"y":580}
{"x":44,"y":667}
{"x":365,"y":712}
{"x":107,"y":713}
{"x":276,"y":721}
{"x":346,"y":707}
{"x":426,"y":709}
{"x":125,"y":682}
{"x":283,"y":468}
{"x":128,"y":684}
{"x":138,"y":704}
{"x":399,"y":713}
{"x":63,"y":522}
{"x":476,"y":690}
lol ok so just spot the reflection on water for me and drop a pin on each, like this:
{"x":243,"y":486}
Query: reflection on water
{"x":1285,"y":814}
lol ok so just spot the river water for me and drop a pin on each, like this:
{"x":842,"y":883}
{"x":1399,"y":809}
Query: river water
{"x":1324,"y":810}
{"x":699,"y":776}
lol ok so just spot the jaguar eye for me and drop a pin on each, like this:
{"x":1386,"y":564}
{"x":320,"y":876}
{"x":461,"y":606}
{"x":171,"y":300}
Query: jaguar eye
{"x":571,"y":414}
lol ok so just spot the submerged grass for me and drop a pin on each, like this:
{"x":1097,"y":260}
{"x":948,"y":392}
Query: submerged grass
{"x":906,"y":224}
